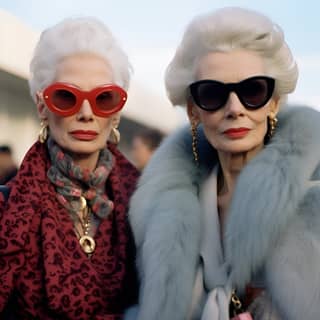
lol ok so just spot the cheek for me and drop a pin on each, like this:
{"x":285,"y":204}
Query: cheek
{"x":211,"y":124}
{"x":260,"y":118}
{"x":105,"y":127}
{"x":260,"y":121}
{"x":58,"y":126}
{"x":211,"y":121}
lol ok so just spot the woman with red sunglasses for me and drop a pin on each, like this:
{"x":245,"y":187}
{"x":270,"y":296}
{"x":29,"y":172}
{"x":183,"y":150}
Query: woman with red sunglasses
{"x":66,"y":247}
{"x":227,"y":217}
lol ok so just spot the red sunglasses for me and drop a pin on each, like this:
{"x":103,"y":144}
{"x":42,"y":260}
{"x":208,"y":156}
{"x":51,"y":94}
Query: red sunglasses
{"x":65,"y":99}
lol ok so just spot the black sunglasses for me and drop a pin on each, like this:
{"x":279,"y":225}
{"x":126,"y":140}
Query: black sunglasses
{"x":212,"y":95}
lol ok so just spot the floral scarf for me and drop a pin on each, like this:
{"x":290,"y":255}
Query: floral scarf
{"x":72,"y":182}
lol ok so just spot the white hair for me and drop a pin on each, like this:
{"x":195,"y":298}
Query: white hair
{"x":72,"y":36}
{"x":225,"y":30}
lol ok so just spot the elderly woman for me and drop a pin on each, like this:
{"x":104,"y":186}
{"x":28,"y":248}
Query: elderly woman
{"x":227,"y":217}
{"x":66,"y":251}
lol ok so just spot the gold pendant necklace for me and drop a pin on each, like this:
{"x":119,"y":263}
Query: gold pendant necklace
{"x":86,"y":242}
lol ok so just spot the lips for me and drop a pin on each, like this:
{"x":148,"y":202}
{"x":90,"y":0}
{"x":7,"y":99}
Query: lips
{"x":236,"y":133}
{"x":84,"y":135}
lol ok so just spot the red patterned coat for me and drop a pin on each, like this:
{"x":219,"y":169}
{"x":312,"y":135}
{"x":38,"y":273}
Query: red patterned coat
{"x":43,"y":269}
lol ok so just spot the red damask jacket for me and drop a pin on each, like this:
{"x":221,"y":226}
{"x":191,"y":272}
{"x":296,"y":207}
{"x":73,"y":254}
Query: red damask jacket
{"x":43,"y":270}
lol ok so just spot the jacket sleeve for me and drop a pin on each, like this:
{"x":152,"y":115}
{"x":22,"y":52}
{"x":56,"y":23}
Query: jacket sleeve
{"x":11,"y":254}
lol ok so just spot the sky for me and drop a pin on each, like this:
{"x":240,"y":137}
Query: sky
{"x":149,"y":31}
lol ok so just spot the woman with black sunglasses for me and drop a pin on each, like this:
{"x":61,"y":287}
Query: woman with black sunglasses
{"x":66,"y":249}
{"x":226,"y":219}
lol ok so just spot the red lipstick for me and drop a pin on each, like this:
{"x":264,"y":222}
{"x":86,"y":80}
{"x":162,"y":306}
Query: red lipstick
{"x":236,"y":133}
{"x":84,"y":135}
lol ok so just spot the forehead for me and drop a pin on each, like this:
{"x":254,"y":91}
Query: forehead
{"x":84,"y":70}
{"x":231,"y":66}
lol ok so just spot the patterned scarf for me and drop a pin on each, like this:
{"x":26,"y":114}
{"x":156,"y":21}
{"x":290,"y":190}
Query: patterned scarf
{"x":72,"y":182}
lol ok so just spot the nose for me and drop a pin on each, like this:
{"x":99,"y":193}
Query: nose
{"x":234,"y":107}
{"x":85,"y":113}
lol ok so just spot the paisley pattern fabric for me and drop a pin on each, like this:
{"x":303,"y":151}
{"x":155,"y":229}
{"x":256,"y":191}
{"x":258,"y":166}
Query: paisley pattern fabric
{"x":71,"y":181}
{"x":43,"y":269}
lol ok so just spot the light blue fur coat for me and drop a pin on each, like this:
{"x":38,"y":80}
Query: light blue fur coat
{"x":273,"y":221}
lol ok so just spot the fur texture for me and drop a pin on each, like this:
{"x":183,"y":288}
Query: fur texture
{"x":273,"y":221}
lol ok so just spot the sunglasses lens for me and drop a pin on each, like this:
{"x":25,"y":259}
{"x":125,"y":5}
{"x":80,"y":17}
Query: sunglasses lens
{"x":212,"y":95}
{"x":108,"y":100}
{"x":63,"y":99}
{"x":66,"y":99}
{"x":255,"y":92}
{"x":209,"y":95}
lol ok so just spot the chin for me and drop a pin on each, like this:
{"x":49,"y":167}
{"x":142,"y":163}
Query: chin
{"x":239,"y":146}
{"x":80,"y":148}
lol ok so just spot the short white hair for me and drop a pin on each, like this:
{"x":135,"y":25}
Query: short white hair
{"x":72,"y":36}
{"x":225,"y":30}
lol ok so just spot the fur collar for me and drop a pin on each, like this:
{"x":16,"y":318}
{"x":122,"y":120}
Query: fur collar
{"x":272,"y":198}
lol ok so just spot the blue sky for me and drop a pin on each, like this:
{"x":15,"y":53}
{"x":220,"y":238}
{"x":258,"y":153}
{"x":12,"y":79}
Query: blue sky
{"x":150,"y":30}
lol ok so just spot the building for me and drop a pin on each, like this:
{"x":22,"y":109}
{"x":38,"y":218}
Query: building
{"x":19,"y":122}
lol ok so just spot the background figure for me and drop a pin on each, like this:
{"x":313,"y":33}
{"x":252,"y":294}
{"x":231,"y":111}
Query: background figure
{"x":144,"y":143}
{"x":67,"y":250}
{"x":8,"y":167}
{"x":226,"y":215}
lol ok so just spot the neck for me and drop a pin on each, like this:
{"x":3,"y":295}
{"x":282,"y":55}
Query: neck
{"x":85,"y":161}
{"x":231,"y":166}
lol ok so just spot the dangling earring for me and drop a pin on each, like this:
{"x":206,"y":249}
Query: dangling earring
{"x":114,"y":135}
{"x":194,"y":135}
{"x":43,"y":133}
{"x":272,"y":125}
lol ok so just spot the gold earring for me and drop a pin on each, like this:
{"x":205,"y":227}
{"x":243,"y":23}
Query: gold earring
{"x":272,"y":125}
{"x":115,"y":135}
{"x":43,"y":133}
{"x":194,"y":135}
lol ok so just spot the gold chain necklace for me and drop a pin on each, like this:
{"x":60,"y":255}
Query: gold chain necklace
{"x":86,"y":242}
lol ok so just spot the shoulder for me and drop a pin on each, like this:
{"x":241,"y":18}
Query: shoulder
{"x":295,"y":147}
{"x":298,"y":124}
{"x":27,"y":190}
{"x":31,"y":176}
{"x":125,"y":171}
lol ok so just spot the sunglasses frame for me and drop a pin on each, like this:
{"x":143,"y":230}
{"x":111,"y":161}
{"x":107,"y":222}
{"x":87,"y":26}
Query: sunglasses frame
{"x":232,"y":87}
{"x":80,"y":96}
